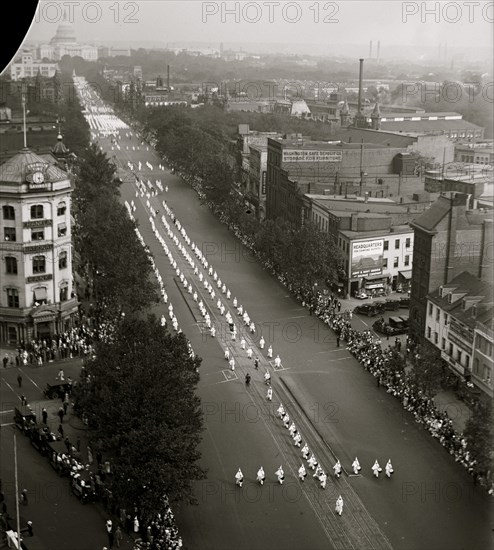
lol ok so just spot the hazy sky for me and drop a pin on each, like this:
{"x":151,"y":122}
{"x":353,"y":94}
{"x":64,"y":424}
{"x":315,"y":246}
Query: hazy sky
{"x":461,"y":24}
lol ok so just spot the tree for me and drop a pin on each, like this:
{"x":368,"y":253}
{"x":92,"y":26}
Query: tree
{"x":479,"y":433}
{"x":427,"y":370}
{"x":142,"y":405}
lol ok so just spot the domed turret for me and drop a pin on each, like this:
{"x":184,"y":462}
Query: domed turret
{"x":65,"y":33}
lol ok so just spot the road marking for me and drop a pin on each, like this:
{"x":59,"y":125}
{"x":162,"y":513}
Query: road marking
{"x":229,"y":375}
{"x":31,"y":380}
{"x":6,"y":412}
{"x":9,"y":386}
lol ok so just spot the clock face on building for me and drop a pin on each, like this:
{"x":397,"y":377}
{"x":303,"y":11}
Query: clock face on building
{"x":38,"y":177}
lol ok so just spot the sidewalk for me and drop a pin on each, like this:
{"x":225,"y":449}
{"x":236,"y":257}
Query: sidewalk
{"x":458,"y":411}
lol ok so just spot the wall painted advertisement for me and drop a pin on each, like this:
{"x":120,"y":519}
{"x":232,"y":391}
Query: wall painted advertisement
{"x":367,"y":258}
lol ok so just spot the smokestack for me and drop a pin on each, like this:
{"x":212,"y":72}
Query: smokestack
{"x":370,"y":49}
{"x":360,"y":77}
{"x":378,"y":50}
{"x":168,"y":77}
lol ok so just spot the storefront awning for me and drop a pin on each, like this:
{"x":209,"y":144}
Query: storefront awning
{"x":373,"y":277}
{"x":406,"y":274}
{"x":40,"y":294}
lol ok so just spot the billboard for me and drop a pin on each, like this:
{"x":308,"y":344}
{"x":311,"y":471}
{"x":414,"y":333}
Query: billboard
{"x":304,"y":155}
{"x":367,"y":258}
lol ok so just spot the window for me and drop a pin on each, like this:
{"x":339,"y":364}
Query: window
{"x":396,"y":261}
{"x":385,"y":262}
{"x":40,"y":296}
{"x":438,"y":315}
{"x":36,"y":211}
{"x":458,"y":355}
{"x":445,"y":319}
{"x":39,"y":264}
{"x":436,"y":337}
{"x":62,"y":229}
{"x":62,"y":260}
{"x":397,"y":244}
{"x":429,"y":332}
{"x":64,"y":292}
{"x":467,"y":361}
{"x":37,"y":234}
{"x":443,"y":343}
{"x":431,"y":307}
{"x":451,"y":349}
{"x":12,"y":297}
{"x":407,"y":260}
{"x":8,"y":212}
{"x":61,"y":209}
{"x":386,"y":245}
{"x":11,"y":265}
{"x":476,"y":366}
{"x":407,"y":243}
{"x":9,"y":234}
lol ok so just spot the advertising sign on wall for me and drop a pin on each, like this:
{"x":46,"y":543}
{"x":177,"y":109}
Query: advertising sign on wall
{"x":367,"y":258}
{"x":304,"y":155}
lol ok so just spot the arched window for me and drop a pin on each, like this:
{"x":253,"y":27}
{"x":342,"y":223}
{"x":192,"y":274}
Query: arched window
{"x":11,"y":265}
{"x":36,"y":211}
{"x":62,"y":260}
{"x":8,"y":212}
{"x":39,"y":264}
{"x":64,"y":292}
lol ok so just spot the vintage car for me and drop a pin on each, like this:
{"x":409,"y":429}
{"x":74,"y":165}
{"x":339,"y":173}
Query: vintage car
{"x":59,"y":457}
{"x":24,"y":418}
{"x":370,"y":310}
{"x":59,"y":389}
{"x":361,"y":295}
{"x":40,"y":437}
{"x":398,"y":325}
{"x":405,"y":302}
{"x":392,"y":305}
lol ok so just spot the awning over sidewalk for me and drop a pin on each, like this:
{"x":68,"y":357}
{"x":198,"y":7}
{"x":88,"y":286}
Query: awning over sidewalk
{"x":405,"y":274}
{"x":374,"y":277}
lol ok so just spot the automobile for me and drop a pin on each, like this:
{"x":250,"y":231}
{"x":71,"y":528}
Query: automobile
{"x":406,"y":321}
{"x":361,"y":295}
{"x":405,"y":302}
{"x":398,"y":325}
{"x":24,"y":418}
{"x":52,"y":391}
{"x":379,"y":306}
{"x":392,"y":305}
{"x":383,"y":328}
{"x":367,"y":309}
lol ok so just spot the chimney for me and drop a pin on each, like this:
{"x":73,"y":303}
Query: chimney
{"x":360,"y":77}
{"x":168,"y":77}
{"x":378,"y":50}
{"x":370,"y":50}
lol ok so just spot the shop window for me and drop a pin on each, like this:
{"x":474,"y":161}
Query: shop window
{"x":11,"y":265}
{"x":12,"y":297}
{"x":39,"y":264}
{"x":8,"y":212}
{"x":38,"y":234}
{"x":9,"y":234}
{"x":37,"y":212}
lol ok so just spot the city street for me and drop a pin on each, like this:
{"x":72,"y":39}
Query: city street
{"x":427,"y":502}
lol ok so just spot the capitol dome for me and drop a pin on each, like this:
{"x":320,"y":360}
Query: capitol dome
{"x":65,"y":34}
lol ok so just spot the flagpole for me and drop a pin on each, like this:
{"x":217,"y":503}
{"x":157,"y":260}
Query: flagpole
{"x":24,"y":117}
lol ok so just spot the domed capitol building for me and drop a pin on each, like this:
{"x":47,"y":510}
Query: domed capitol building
{"x":65,"y":43}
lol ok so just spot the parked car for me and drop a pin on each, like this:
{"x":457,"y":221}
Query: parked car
{"x":382,"y":327}
{"x":379,"y":306}
{"x":367,"y":309}
{"x":399,"y":326}
{"x":392,"y":305}
{"x":52,"y":391}
{"x":405,"y":302}
{"x":361,"y":295}
{"x":406,"y":321}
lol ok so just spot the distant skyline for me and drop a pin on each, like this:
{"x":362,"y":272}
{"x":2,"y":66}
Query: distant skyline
{"x":350,"y":24}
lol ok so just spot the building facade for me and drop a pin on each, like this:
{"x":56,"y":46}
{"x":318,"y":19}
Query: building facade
{"x":36,"y":295}
{"x":458,"y":318}
{"x":27,"y":67}
{"x":449,"y":238}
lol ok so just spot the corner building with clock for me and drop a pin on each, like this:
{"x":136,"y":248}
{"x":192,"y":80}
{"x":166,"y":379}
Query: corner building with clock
{"x":37,"y":299}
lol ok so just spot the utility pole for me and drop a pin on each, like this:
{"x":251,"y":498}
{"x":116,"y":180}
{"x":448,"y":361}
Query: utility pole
{"x":24,"y":116}
{"x":361,"y":165}
{"x":17,"y":494}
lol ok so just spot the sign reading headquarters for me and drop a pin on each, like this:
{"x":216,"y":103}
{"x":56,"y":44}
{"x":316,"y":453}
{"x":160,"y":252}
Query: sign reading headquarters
{"x":303,"y":155}
{"x":367,"y":258}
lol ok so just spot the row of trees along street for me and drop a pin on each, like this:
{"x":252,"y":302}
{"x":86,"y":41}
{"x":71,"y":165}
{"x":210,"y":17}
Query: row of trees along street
{"x":141,"y":404}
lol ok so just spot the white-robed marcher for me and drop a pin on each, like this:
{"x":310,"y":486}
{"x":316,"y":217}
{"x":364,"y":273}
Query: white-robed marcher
{"x":323,"y":478}
{"x":228,"y":294}
{"x":292,"y":429}
{"x":163,"y":321}
{"x":267,"y":378}
{"x":389,"y":468}
{"x":232,"y":363}
{"x":305,"y":451}
{"x":312,"y":462}
{"x":261,"y":476}
{"x":270,"y":352}
{"x":302,"y":473}
{"x":239,"y":478}
{"x":242,"y":343}
{"x":249,"y":353}
{"x":339,"y":506}
{"x":227,"y":354}
{"x":252,"y":327}
{"x":235,"y":302}
{"x":281,"y":411}
{"x":337,"y":469}
{"x":262,"y":342}
{"x":213,"y":331}
{"x":376,"y":469}
{"x":356,"y":466}
{"x":277,"y":361}
{"x":318,"y":471}
{"x":286,"y":420}
{"x":297,"y":439}
{"x":280,"y":474}
{"x":269,"y":395}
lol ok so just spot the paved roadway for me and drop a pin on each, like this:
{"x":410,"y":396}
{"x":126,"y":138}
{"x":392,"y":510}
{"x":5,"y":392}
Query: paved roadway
{"x":430,"y":501}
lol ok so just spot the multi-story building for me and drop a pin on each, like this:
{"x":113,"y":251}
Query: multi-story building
{"x":475,"y":152}
{"x":449,"y":238}
{"x":65,"y":43}
{"x":26,"y":67}
{"x":36,"y":293}
{"x":459,"y":317}
{"x":374,"y":238}
{"x":256,"y":190}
